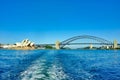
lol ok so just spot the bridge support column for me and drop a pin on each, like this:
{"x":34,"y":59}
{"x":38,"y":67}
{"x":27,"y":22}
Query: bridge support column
{"x":115,"y":44}
{"x":57,"y":45}
{"x":91,"y":46}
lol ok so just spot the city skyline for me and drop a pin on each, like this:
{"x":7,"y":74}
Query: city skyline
{"x":48,"y":21}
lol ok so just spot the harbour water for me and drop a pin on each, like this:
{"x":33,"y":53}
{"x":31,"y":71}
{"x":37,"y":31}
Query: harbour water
{"x":60,"y":65}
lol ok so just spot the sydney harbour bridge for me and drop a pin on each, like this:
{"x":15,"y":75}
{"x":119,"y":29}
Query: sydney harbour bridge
{"x":97,"y":41}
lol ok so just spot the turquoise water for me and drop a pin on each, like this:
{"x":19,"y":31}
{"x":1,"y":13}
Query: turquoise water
{"x":60,"y":65}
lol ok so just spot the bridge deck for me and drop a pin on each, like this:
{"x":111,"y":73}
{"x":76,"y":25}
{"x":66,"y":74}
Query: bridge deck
{"x":78,"y":44}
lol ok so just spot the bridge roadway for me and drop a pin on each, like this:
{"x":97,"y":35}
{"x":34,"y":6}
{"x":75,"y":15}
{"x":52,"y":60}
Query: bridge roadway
{"x":77,"y":44}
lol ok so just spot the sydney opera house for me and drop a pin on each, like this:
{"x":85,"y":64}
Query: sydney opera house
{"x":25,"y":44}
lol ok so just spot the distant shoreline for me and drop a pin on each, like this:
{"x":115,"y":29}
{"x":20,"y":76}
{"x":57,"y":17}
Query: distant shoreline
{"x":28,"y":48}
{"x":20,"y":48}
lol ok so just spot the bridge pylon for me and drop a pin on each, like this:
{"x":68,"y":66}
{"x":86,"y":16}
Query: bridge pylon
{"x":57,"y":45}
{"x":115,"y":44}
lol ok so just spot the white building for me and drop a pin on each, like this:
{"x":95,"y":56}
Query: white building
{"x":24,"y":43}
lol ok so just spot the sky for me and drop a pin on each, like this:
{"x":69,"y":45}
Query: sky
{"x":46,"y":21}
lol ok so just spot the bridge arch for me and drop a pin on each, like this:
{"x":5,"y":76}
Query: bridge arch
{"x":100,"y":40}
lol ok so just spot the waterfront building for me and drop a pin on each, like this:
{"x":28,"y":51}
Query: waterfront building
{"x":91,"y":46}
{"x":25,"y":44}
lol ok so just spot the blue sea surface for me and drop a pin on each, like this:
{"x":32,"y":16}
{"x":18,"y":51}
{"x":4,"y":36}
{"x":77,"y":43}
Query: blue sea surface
{"x":59,"y":65}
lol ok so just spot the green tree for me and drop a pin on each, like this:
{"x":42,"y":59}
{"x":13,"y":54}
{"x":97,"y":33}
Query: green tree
{"x":48,"y":47}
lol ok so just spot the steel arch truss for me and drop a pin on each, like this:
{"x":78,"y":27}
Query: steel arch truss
{"x":100,"y":40}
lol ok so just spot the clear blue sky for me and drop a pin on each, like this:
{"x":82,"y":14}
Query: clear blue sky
{"x":45,"y":21}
